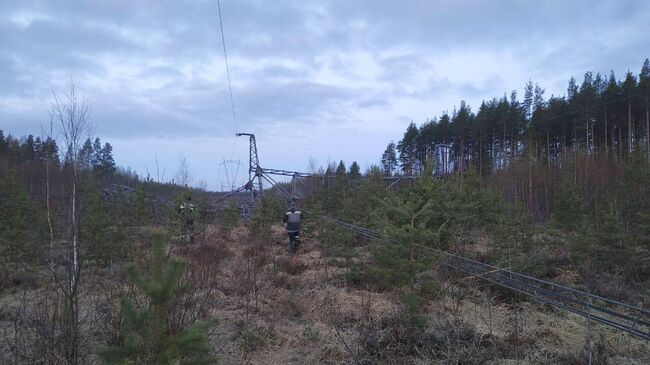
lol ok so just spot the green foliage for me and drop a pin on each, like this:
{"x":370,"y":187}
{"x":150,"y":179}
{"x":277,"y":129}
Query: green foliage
{"x":569,"y":208}
{"x":355,"y":171}
{"x":471,"y":204}
{"x":429,"y":289}
{"x":605,"y":247}
{"x":335,"y":238}
{"x":408,"y":220}
{"x":103,"y":239}
{"x":229,"y":218}
{"x":269,"y":211}
{"x":139,"y":212}
{"x":411,"y":309}
{"x":145,"y":336}
{"x":393,"y":267}
{"x":617,"y":237}
{"x":429,"y":214}
{"x":252,"y":340}
{"x":21,"y":224}
{"x":311,"y":333}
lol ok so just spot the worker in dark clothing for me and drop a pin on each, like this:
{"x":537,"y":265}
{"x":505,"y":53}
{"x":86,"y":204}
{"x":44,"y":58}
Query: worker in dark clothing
{"x":291,"y":222}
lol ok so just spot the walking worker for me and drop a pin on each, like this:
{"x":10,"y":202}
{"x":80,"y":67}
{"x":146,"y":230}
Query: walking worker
{"x":291,"y":222}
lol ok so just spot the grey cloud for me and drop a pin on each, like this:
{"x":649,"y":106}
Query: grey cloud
{"x":173,"y":49}
{"x":161,"y":71}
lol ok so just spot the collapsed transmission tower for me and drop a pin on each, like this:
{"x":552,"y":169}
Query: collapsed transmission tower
{"x":257,"y":174}
{"x":254,"y":169}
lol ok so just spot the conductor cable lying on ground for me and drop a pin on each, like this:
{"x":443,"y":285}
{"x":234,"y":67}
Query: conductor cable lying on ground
{"x":570,"y":299}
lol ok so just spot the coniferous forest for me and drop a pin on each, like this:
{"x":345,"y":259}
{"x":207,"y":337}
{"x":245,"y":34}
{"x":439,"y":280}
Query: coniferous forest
{"x":101,"y":265}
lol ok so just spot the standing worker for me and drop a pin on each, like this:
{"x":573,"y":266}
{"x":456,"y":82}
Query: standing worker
{"x":187,"y":212}
{"x":291,"y":222}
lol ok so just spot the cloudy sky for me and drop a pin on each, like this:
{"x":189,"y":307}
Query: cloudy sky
{"x":325,"y":80}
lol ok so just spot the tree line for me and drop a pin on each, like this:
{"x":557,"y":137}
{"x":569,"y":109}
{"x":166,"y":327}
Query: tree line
{"x":92,"y":156}
{"x":602,"y":115}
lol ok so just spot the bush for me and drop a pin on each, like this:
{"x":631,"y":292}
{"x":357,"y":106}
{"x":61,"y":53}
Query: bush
{"x":269,"y":211}
{"x":229,"y":218}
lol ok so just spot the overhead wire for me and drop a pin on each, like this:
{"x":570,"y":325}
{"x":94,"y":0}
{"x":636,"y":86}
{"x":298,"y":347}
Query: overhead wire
{"x":225,"y":57}
{"x":232,"y":99}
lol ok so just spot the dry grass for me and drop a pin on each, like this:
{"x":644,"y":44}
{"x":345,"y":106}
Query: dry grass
{"x":276,"y":309}
{"x":309,"y":318}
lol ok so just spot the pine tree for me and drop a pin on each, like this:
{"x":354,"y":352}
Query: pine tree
{"x":527,"y":104}
{"x":27,"y":149}
{"x":389,"y":159}
{"x":572,"y":90}
{"x":407,"y":148}
{"x":96,"y":158}
{"x":416,"y":218}
{"x":462,"y":121}
{"x":3,"y":142}
{"x":145,"y":336}
{"x":107,"y":164}
{"x":628,"y":87}
{"x":38,"y":149}
{"x":86,"y":155}
{"x":644,"y":90}
{"x":51,"y":151}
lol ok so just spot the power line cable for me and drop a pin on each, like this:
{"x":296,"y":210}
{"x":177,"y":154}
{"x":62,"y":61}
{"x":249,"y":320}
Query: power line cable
{"x":225,"y":57}
{"x":539,"y":290}
{"x":232,"y":99}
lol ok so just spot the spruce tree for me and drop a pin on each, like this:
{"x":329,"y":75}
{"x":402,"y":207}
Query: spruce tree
{"x":341,"y":169}
{"x":145,"y":336}
{"x":355,"y":171}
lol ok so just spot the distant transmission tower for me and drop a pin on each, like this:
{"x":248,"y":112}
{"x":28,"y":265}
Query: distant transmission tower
{"x":231,"y":171}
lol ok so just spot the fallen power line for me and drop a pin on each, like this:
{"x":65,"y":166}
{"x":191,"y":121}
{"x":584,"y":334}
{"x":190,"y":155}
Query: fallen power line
{"x":609,"y":312}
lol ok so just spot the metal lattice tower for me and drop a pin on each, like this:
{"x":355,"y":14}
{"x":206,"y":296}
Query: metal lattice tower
{"x":256,"y":174}
{"x":254,"y":169}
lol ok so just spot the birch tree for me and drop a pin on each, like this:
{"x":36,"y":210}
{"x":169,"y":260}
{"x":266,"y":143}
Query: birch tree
{"x":72,"y":114}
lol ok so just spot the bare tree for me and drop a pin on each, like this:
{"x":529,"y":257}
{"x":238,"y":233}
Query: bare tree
{"x":183,"y":175}
{"x":72,"y":115}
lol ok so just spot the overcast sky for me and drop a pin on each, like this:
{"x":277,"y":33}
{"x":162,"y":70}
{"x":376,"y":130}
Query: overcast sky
{"x":324,"y":80}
